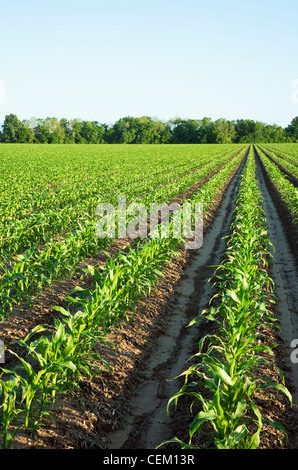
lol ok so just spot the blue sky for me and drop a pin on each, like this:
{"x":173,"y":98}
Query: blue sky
{"x":99,"y":60}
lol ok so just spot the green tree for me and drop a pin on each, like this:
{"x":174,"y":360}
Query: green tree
{"x":161,"y":132}
{"x":29,"y":125}
{"x":292,"y":130}
{"x":92,"y":132}
{"x":124,"y":131}
{"x":185,"y":131}
{"x":224,"y":131}
{"x":41,"y":131}
{"x":67,"y":130}
{"x":14,"y":130}
{"x":258,"y":132}
{"x":244,"y":130}
{"x":144,"y":130}
{"x":206,"y":134}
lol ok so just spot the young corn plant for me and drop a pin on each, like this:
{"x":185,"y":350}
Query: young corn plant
{"x":9,"y":390}
{"x":36,"y":387}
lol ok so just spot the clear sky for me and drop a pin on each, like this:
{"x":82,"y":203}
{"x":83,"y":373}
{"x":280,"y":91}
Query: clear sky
{"x":103,"y":60}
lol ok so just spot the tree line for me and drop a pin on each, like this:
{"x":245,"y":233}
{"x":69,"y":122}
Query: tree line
{"x":144,"y":130}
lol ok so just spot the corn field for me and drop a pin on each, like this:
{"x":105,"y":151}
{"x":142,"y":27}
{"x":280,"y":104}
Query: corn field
{"x":48,"y":200}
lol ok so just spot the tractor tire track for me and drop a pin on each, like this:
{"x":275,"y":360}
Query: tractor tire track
{"x":284,"y":272}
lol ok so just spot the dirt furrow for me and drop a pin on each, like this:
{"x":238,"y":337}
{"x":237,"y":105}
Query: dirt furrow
{"x":285,"y":275}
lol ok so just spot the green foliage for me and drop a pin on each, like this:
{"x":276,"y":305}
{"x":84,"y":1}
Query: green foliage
{"x":292,"y":130}
{"x":287,"y":190}
{"x":46,"y":229}
{"x":144,"y":130}
{"x":56,"y":359}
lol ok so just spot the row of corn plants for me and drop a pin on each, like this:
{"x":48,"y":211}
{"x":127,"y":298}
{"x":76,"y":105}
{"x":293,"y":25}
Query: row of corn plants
{"x":288,"y":152}
{"x":26,"y":274}
{"x":287,"y":191}
{"x":96,"y":296}
{"x":34,"y":211}
{"x":45,"y":224}
{"x":57,"y":357}
{"x":285,"y":164}
{"x":223,"y":380}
